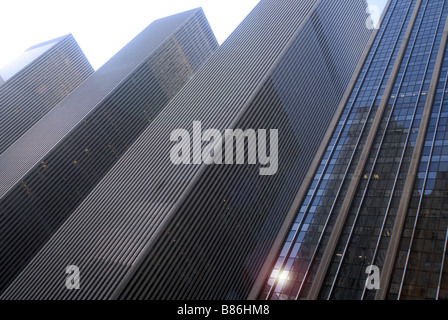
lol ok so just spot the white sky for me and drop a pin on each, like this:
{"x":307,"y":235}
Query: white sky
{"x":103,"y":27}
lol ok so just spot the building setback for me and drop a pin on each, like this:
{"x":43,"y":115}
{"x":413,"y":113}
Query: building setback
{"x":47,"y":173}
{"x":377,"y":193}
{"x":154,"y":230}
{"x":36,"y":82}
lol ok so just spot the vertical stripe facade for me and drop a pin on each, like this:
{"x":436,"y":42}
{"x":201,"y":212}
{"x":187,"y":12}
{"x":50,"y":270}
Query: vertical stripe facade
{"x":70,"y":150}
{"x":56,"y":68}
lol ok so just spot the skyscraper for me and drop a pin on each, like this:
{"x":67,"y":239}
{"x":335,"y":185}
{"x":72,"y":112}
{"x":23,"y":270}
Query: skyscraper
{"x":152,"y":229}
{"x":35,"y":82}
{"x":377,"y":191}
{"x":47,"y":173}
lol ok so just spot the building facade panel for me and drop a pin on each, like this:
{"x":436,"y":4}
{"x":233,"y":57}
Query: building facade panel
{"x":97,"y":124}
{"x":414,"y":31}
{"x":370,"y":221}
{"x":420,"y":267}
{"x":36,"y":82}
{"x":311,"y":229}
{"x":152,"y":229}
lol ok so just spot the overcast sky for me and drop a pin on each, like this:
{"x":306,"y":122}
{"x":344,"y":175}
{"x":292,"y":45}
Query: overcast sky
{"x":103,"y":27}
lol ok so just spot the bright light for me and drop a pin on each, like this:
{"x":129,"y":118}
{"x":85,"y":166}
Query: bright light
{"x":284,"y":276}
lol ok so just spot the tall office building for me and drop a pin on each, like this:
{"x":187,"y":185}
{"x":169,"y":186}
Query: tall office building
{"x":152,"y":229}
{"x":47,"y":173}
{"x":377,"y":191}
{"x":35,"y":82}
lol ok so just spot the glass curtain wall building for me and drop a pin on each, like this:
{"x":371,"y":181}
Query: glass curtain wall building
{"x":47,"y":173}
{"x":35,"y":82}
{"x":152,"y":229}
{"x":378,"y":196}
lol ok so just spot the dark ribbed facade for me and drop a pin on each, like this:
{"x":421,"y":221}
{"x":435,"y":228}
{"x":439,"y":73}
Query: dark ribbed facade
{"x":154,"y":230}
{"x":36,"y":82}
{"x":377,"y":192}
{"x":49,"y":171}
